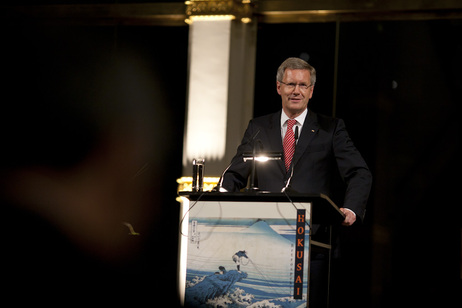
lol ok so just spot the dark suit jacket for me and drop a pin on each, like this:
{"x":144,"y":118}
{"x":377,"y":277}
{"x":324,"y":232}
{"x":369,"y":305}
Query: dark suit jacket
{"x":323,"y":149}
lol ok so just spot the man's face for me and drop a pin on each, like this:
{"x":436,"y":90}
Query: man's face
{"x":295,"y":98}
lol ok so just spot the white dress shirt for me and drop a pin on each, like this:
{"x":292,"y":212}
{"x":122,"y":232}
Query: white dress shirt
{"x":300,"y":120}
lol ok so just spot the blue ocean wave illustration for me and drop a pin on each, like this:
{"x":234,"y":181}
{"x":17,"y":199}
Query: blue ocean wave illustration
{"x":262,"y":275}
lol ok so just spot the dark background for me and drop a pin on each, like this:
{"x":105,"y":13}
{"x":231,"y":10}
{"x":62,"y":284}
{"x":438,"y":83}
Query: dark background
{"x":398,"y":90}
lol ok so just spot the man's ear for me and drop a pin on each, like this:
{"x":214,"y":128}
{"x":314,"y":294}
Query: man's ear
{"x":311,"y":91}
{"x":278,"y":87}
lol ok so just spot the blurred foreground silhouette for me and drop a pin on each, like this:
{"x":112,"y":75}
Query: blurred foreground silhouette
{"x":79,"y":128}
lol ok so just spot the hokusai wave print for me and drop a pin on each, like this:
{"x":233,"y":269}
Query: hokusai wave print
{"x":242,"y":262}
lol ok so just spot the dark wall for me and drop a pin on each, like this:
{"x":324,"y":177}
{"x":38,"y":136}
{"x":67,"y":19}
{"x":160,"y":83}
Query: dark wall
{"x":398,"y":90}
{"x":75,"y":101}
{"x":407,"y":82}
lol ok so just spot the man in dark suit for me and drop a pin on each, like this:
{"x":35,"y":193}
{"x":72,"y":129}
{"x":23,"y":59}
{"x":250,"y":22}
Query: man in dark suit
{"x":323,"y":147}
{"x":317,"y":149}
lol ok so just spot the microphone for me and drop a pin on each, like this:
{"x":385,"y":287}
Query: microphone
{"x":287,"y":187}
{"x":220,"y":181}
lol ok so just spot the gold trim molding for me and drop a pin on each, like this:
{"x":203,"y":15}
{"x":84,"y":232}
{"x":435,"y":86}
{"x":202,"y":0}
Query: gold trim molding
{"x":265,"y":11}
{"x":219,"y":9}
{"x":185,"y":183}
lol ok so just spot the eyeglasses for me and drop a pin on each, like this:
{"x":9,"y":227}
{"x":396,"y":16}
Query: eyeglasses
{"x":292,"y":85}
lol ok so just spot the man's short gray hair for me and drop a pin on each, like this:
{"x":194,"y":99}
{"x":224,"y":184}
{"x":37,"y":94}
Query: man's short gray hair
{"x":295,"y":64}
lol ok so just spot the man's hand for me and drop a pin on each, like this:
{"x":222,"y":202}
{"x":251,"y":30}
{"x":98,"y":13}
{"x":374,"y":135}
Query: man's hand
{"x":350,"y":217}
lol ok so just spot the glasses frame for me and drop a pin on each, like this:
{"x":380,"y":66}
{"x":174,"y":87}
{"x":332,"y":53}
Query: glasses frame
{"x":292,"y":86}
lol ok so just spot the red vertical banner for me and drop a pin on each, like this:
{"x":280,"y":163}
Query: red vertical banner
{"x":299,"y":251}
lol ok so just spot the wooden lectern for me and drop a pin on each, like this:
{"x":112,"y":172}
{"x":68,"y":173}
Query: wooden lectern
{"x":241,"y":249}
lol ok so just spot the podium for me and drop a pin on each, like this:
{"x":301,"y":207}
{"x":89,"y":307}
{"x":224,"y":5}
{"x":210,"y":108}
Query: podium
{"x":253,"y":248}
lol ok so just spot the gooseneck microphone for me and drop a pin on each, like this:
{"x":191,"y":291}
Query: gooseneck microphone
{"x":287,"y":187}
{"x":220,"y":181}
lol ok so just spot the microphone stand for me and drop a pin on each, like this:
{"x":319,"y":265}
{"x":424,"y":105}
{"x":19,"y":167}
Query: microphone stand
{"x":220,"y":181}
{"x":252,"y":174}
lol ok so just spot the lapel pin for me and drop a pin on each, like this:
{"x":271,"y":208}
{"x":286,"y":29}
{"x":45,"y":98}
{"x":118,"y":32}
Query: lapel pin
{"x":312,"y":131}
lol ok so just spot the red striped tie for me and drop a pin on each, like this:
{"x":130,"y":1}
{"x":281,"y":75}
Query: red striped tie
{"x":289,"y":143}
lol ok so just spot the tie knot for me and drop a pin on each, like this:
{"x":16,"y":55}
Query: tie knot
{"x":291,"y":123}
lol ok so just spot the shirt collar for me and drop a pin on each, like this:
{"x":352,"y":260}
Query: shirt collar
{"x":300,"y":119}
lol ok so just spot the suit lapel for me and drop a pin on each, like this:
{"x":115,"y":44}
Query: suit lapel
{"x":309,"y":130}
{"x":275,"y":137}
